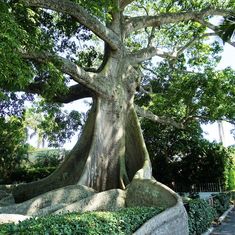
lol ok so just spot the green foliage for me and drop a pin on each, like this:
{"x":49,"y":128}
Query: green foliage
{"x":227,"y":28}
{"x":39,"y":164}
{"x":29,"y":174}
{"x":124,"y":221}
{"x":14,"y":71}
{"x":13,"y":147}
{"x":51,"y":123}
{"x":200,"y":216}
{"x":190,"y":92}
{"x":100,"y":9}
{"x":184,"y":157}
{"x":47,"y":158}
{"x":231,"y":171}
{"x":221,"y":202}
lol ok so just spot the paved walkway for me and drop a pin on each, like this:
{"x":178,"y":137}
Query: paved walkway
{"x":228,"y":225}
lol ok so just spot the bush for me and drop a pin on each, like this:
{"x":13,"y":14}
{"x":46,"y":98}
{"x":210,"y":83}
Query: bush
{"x":200,"y":215}
{"x":13,"y":147}
{"x":39,"y":165}
{"x":124,"y":221}
{"x":30,"y":174}
{"x":221,"y":202}
{"x":47,"y":158}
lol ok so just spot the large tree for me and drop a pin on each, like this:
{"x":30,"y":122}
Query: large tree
{"x":42,"y":50}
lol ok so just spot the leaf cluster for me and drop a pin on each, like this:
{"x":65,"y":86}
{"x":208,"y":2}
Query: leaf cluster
{"x":53,"y":124}
{"x":124,"y":221}
{"x":201,"y":215}
{"x":13,"y":147}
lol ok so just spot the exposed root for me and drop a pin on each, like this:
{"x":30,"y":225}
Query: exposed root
{"x":110,"y":200}
{"x":52,"y":200}
{"x":68,"y":199}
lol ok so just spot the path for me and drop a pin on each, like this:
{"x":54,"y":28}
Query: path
{"x":228,"y":225}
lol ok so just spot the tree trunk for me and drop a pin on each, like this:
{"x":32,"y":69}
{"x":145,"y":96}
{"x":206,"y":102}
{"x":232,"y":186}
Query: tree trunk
{"x":108,"y":154}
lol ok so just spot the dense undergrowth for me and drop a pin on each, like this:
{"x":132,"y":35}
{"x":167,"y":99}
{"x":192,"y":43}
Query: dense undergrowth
{"x":124,"y":221}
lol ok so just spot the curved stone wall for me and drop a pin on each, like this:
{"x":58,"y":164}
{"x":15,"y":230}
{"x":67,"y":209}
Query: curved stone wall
{"x":173,"y":220}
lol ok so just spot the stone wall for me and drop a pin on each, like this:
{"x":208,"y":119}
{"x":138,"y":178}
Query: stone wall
{"x":173,"y":220}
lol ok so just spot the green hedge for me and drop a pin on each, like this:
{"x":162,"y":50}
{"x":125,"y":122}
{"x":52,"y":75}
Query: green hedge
{"x":200,"y":215}
{"x":124,"y":221}
{"x":221,"y":202}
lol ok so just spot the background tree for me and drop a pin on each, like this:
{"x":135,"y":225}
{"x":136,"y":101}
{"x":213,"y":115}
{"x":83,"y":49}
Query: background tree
{"x":13,"y":147}
{"x":185,"y":157}
{"x":42,"y":53}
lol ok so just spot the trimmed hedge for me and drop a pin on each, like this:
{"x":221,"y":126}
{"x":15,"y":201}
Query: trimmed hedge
{"x":200,"y":216}
{"x":221,"y":202}
{"x":124,"y":221}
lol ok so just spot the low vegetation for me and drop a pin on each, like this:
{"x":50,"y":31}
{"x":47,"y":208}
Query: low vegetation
{"x":201,"y":214}
{"x":124,"y":221}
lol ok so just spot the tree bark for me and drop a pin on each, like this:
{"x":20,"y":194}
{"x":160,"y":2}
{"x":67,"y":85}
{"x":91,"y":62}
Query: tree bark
{"x":108,"y":155}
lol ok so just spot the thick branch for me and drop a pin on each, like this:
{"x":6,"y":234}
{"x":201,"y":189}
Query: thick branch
{"x":74,"y":92}
{"x":140,"y":22}
{"x":124,"y":3}
{"x":78,"y":74}
{"x":162,"y":120}
{"x":81,"y":15}
{"x":148,"y":53}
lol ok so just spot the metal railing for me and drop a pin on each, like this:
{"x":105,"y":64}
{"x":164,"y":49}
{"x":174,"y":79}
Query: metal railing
{"x":203,"y":187}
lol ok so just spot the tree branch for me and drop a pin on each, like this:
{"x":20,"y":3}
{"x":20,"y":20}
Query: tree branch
{"x":190,"y":118}
{"x":81,"y":15}
{"x":162,"y":120}
{"x":215,"y":29}
{"x":148,"y":53}
{"x":78,"y":74}
{"x":124,"y":3}
{"x":74,"y":92}
{"x":191,"y":42}
{"x":140,"y":22}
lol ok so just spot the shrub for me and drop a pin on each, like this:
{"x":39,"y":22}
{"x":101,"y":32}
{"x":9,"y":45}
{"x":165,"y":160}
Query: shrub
{"x":31,"y":174}
{"x":221,"y":202}
{"x":200,"y":215}
{"x":47,"y":158}
{"x":13,"y":147}
{"x":40,"y":164}
{"x":124,"y":221}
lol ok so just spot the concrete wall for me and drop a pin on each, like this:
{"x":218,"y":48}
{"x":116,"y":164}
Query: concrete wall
{"x":173,"y":220}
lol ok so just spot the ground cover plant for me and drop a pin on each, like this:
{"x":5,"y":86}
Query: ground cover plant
{"x":125,"y":221}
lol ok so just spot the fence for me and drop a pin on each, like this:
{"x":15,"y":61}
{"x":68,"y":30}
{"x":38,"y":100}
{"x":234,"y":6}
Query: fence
{"x":203,"y":187}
